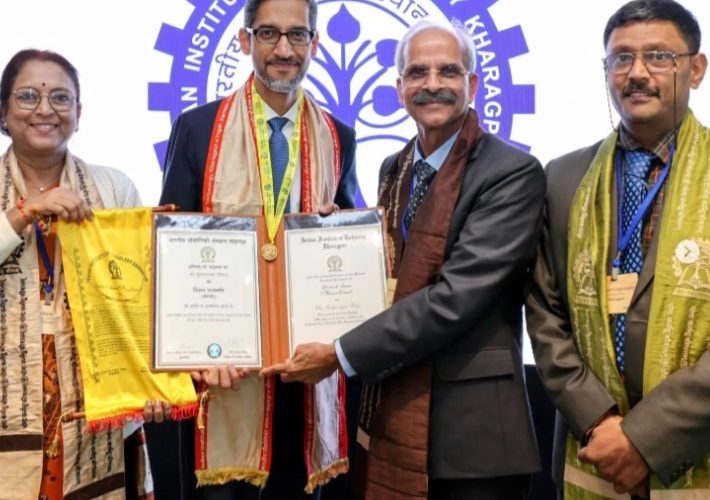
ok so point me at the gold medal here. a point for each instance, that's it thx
(269, 252)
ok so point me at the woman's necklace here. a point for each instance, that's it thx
(46, 187)
(43, 187)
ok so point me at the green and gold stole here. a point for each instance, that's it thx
(679, 320)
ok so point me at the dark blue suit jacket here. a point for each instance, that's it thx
(182, 185)
(187, 154)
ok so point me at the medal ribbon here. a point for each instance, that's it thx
(625, 237)
(273, 209)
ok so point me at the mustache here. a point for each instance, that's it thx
(443, 96)
(284, 60)
(639, 87)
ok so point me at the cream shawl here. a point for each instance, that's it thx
(233, 438)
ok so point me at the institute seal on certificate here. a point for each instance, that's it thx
(214, 351)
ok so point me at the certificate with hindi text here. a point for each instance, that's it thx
(206, 308)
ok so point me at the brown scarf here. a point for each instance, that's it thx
(397, 455)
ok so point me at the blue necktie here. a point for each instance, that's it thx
(278, 147)
(637, 165)
(425, 173)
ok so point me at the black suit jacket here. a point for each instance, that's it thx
(187, 153)
(469, 322)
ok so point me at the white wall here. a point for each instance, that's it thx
(112, 45)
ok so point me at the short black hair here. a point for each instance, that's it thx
(251, 6)
(657, 10)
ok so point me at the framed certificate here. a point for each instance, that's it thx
(335, 271)
(224, 294)
(206, 307)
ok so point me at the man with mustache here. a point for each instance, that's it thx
(619, 311)
(451, 417)
(268, 148)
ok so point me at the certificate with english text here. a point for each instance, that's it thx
(335, 272)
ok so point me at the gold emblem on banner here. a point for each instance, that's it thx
(117, 277)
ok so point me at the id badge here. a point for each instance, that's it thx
(619, 292)
(50, 319)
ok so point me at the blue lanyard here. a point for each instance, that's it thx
(624, 239)
(49, 286)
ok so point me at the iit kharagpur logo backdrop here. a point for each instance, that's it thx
(352, 76)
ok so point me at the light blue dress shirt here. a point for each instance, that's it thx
(436, 160)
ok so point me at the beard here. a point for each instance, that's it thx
(281, 86)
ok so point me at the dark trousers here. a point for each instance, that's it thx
(491, 488)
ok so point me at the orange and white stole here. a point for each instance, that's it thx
(233, 437)
(93, 464)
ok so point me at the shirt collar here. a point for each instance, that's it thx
(436, 159)
(662, 149)
(290, 115)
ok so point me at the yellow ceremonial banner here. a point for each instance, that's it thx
(107, 271)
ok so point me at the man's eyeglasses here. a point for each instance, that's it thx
(271, 36)
(449, 72)
(29, 98)
(656, 61)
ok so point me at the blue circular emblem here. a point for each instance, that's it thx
(353, 74)
(214, 351)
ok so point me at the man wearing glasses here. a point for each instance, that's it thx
(619, 312)
(268, 149)
(450, 419)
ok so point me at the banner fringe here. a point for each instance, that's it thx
(324, 476)
(209, 477)
(179, 412)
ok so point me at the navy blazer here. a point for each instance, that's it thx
(187, 154)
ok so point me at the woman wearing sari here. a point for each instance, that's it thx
(44, 450)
